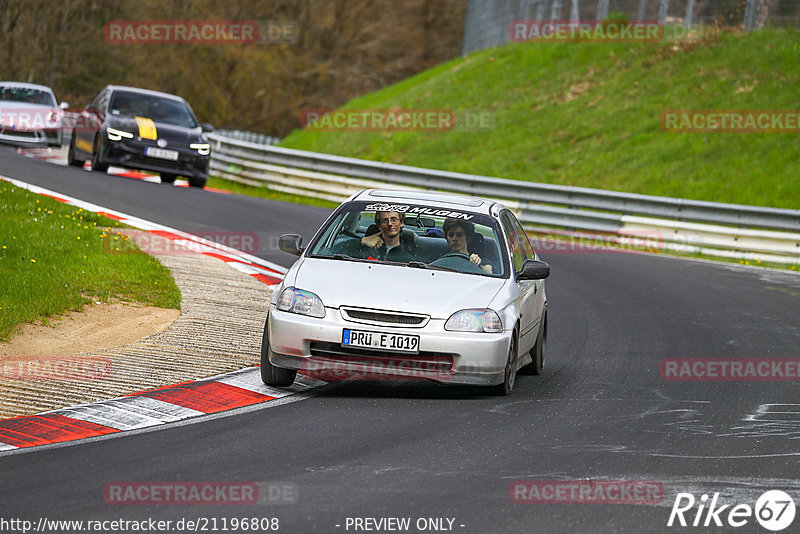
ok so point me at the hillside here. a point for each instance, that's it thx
(590, 114)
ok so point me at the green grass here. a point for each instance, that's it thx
(589, 114)
(55, 258)
(266, 192)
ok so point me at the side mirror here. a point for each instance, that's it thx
(291, 244)
(207, 127)
(63, 105)
(534, 270)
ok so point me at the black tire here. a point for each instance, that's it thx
(72, 161)
(168, 178)
(97, 160)
(271, 375)
(537, 352)
(509, 375)
(197, 181)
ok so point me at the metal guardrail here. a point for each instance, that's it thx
(771, 234)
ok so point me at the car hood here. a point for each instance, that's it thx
(394, 287)
(169, 132)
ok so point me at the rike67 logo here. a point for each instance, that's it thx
(774, 510)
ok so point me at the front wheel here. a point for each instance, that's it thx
(271, 375)
(197, 181)
(72, 161)
(537, 352)
(510, 372)
(97, 160)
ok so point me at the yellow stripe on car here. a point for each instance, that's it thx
(84, 145)
(147, 128)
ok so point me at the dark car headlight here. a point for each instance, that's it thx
(117, 135)
(202, 148)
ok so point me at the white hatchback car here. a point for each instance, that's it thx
(402, 284)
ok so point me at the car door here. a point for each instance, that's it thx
(529, 293)
(90, 121)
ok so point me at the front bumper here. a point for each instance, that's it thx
(314, 346)
(130, 153)
(30, 138)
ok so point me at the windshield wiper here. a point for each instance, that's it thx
(423, 265)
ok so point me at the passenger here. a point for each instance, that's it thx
(459, 234)
(392, 242)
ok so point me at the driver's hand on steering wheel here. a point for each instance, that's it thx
(474, 258)
(372, 241)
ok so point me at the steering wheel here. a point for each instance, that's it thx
(459, 255)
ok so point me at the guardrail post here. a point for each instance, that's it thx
(662, 12)
(641, 12)
(689, 14)
(750, 14)
(555, 14)
(602, 9)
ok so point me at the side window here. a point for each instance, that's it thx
(95, 103)
(104, 101)
(515, 240)
(524, 241)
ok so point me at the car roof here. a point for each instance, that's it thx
(146, 92)
(27, 86)
(433, 198)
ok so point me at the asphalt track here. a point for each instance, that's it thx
(600, 411)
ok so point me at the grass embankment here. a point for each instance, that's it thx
(265, 192)
(589, 114)
(55, 258)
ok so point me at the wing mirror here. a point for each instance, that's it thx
(207, 127)
(534, 270)
(291, 244)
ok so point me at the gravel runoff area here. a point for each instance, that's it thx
(219, 330)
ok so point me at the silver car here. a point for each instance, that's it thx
(402, 284)
(29, 115)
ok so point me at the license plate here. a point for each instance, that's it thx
(380, 340)
(161, 153)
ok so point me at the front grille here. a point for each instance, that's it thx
(384, 317)
(337, 351)
(22, 134)
(336, 357)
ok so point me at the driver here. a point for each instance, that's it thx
(391, 242)
(458, 234)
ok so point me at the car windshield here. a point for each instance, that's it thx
(26, 94)
(415, 235)
(158, 109)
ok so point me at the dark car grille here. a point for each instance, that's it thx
(337, 353)
(377, 316)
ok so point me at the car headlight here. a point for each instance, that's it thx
(296, 300)
(478, 320)
(202, 148)
(117, 135)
